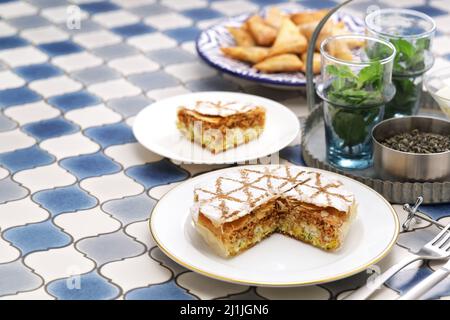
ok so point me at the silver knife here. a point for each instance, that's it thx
(428, 283)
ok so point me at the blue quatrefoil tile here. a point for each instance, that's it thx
(314, 4)
(16, 96)
(97, 7)
(157, 173)
(74, 100)
(130, 209)
(12, 42)
(183, 34)
(64, 199)
(108, 135)
(59, 48)
(50, 128)
(16, 277)
(202, 14)
(37, 237)
(406, 279)
(133, 30)
(120, 246)
(89, 286)
(293, 154)
(164, 291)
(26, 158)
(38, 71)
(90, 165)
(429, 10)
(436, 211)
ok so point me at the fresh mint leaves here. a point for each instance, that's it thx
(410, 58)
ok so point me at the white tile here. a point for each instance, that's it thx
(234, 7)
(146, 271)
(32, 112)
(15, 139)
(441, 45)
(10, 80)
(21, 212)
(130, 121)
(207, 288)
(69, 145)
(133, 3)
(401, 3)
(64, 262)
(189, 46)
(153, 41)
(133, 64)
(157, 192)
(86, 223)
(16, 9)
(204, 24)
(168, 21)
(39, 294)
(44, 34)
(77, 61)
(114, 89)
(55, 86)
(22, 56)
(3, 173)
(185, 4)
(140, 232)
(93, 116)
(166, 92)
(44, 177)
(190, 71)
(62, 14)
(97, 39)
(7, 252)
(131, 154)
(113, 186)
(115, 18)
(6, 29)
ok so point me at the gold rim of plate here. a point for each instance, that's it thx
(280, 284)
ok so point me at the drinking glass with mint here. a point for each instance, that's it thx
(411, 32)
(355, 86)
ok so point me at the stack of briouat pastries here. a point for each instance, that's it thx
(278, 41)
(236, 211)
(221, 125)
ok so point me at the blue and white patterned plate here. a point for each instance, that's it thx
(211, 40)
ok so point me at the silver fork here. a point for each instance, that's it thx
(436, 249)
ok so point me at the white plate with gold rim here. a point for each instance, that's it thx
(155, 128)
(277, 261)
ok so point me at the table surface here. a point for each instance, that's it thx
(76, 189)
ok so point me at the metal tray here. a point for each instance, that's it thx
(313, 151)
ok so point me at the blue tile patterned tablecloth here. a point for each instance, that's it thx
(76, 188)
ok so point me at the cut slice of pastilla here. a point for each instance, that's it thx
(289, 40)
(263, 33)
(242, 37)
(247, 54)
(288, 62)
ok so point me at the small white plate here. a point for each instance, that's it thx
(155, 128)
(277, 260)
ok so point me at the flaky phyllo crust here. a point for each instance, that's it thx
(219, 126)
(236, 211)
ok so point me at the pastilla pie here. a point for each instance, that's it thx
(221, 125)
(238, 210)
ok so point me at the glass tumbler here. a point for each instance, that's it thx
(411, 32)
(356, 83)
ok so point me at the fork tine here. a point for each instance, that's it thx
(446, 247)
(442, 241)
(440, 234)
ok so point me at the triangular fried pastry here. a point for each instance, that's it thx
(263, 33)
(283, 63)
(247, 54)
(289, 40)
(308, 16)
(242, 37)
(316, 62)
(275, 17)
